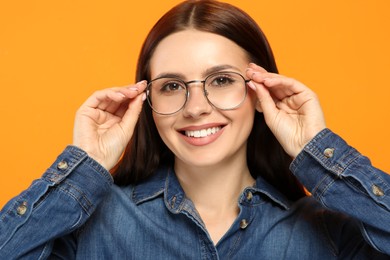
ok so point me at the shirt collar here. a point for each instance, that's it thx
(263, 188)
(165, 183)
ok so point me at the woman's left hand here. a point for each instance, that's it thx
(291, 110)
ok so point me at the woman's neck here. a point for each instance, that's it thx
(222, 184)
(214, 190)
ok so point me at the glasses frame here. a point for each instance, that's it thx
(187, 94)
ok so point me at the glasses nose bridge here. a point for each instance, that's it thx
(203, 82)
(203, 87)
(194, 81)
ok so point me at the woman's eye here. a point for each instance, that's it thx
(222, 81)
(172, 87)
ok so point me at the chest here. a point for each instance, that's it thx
(151, 231)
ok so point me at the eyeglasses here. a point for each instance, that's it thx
(224, 90)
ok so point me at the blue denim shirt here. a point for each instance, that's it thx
(75, 212)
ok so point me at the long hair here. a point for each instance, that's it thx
(146, 151)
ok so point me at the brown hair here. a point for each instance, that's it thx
(146, 151)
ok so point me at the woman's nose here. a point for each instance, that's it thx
(197, 103)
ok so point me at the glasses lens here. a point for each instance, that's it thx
(166, 95)
(226, 90)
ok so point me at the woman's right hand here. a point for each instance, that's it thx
(105, 122)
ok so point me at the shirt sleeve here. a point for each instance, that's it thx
(53, 206)
(342, 179)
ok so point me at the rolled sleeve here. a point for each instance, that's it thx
(342, 179)
(54, 205)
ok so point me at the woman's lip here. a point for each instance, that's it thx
(202, 140)
(200, 127)
(202, 133)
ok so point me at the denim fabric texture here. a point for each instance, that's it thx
(75, 212)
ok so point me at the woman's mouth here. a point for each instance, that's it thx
(202, 132)
(202, 135)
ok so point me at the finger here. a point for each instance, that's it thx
(130, 92)
(101, 99)
(298, 101)
(286, 107)
(111, 99)
(266, 102)
(133, 90)
(282, 87)
(138, 88)
(132, 113)
(259, 75)
(116, 106)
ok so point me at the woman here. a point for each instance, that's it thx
(205, 174)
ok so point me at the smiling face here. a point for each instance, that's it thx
(201, 135)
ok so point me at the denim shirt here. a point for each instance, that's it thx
(75, 212)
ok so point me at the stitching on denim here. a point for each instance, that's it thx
(98, 168)
(383, 183)
(39, 202)
(145, 198)
(326, 188)
(77, 222)
(236, 244)
(80, 199)
(347, 159)
(357, 186)
(319, 187)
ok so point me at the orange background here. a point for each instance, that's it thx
(54, 54)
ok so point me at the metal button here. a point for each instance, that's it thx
(243, 224)
(249, 196)
(377, 191)
(173, 201)
(22, 209)
(62, 165)
(329, 152)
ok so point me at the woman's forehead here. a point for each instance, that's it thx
(193, 51)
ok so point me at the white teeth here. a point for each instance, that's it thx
(203, 132)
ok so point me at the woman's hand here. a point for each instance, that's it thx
(105, 123)
(291, 110)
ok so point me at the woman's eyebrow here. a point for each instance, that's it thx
(170, 75)
(218, 68)
(207, 72)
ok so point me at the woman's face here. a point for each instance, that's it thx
(200, 134)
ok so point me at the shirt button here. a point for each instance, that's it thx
(63, 165)
(243, 224)
(328, 152)
(249, 196)
(22, 209)
(377, 191)
(173, 201)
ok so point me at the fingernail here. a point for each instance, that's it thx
(144, 96)
(142, 82)
(251, 85)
